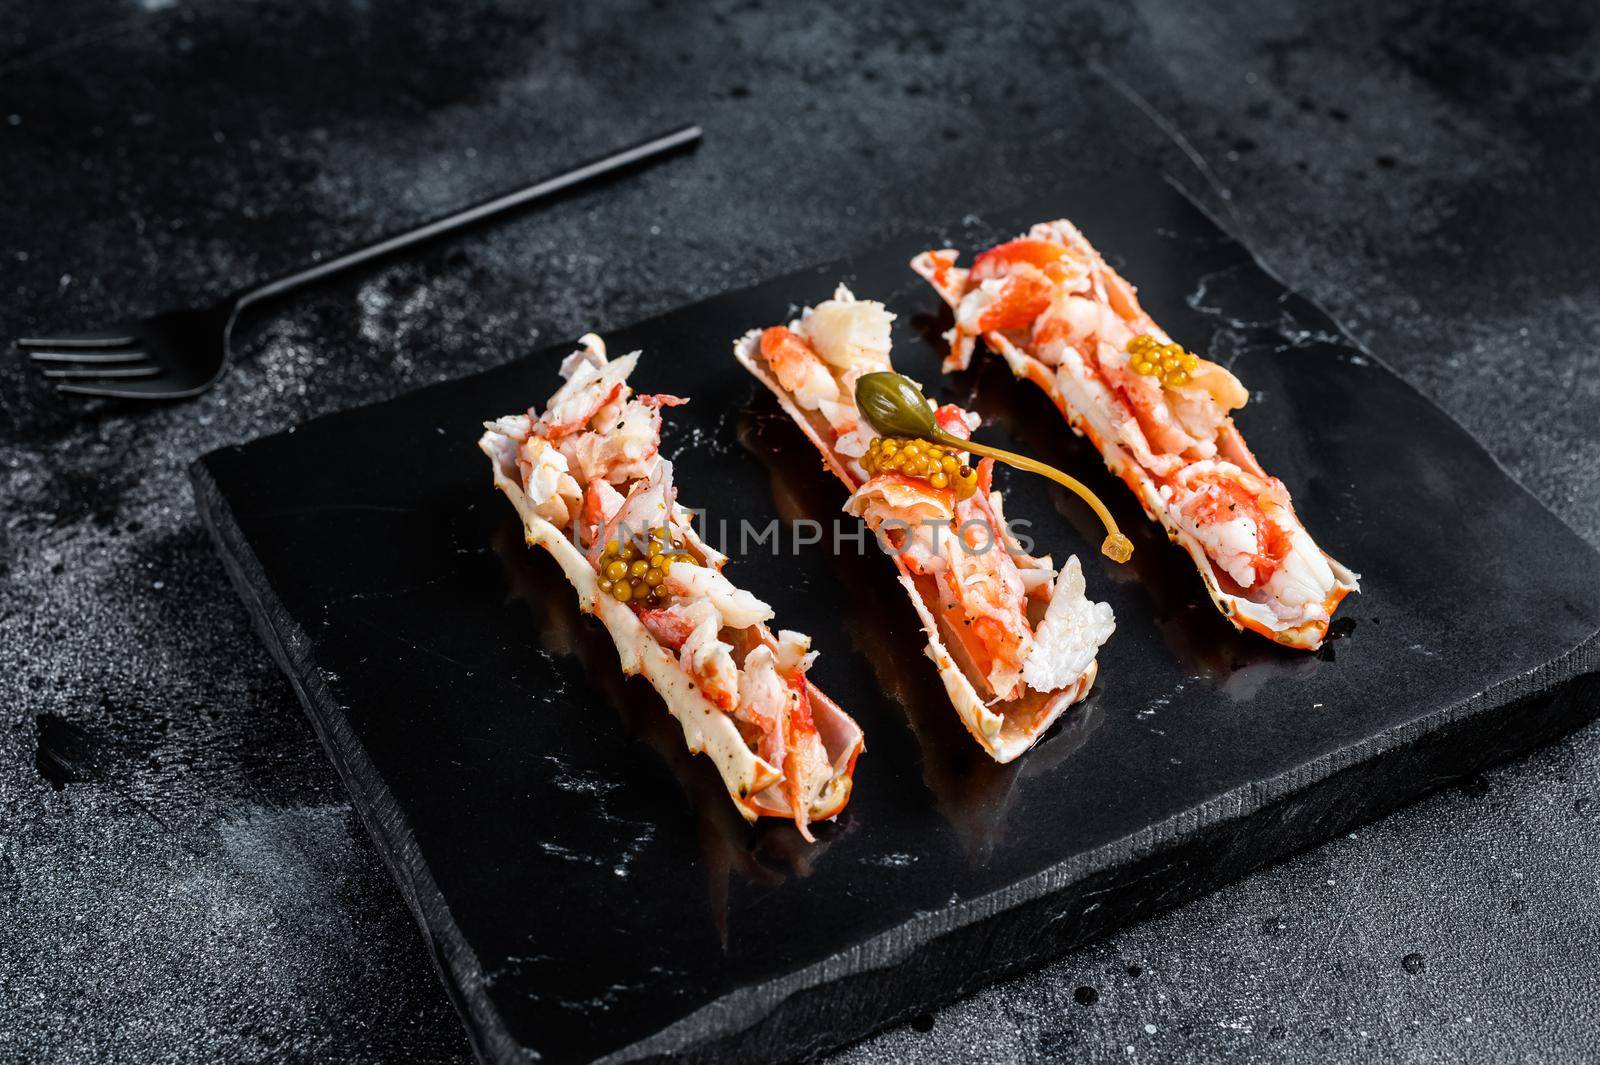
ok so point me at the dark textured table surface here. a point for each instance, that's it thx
(181, 877)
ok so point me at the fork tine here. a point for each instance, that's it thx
(147, 388)
(120, 371)
(86, 356)
(105, 338)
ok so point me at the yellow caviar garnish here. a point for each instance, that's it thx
(923, 460)
(631, 572)
(1168, 363)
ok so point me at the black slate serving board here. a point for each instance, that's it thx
(584, 885)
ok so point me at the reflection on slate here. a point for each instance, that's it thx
(764, 853)
(586, 894)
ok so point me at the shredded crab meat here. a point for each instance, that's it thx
(794, 651)
(601, 502)
(739, 609)
(707, 658)
(551, 488)
(799, 367)
(622, 449)
(763, 702)
(908, 518)
(671, 625)
(849, 334)
(805, 767)
(646, 506)
(984, 584)
(1299, 584)
(1070, 635)
(984, 580)
(588, 389)
(1060, 315)
(1037, 574)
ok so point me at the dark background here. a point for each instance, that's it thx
(180, 874)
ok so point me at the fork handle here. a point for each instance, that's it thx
(643, 152)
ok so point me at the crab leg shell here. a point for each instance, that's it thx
(706, 729)
(1004, 736)
(755, 785)
(1244, 614)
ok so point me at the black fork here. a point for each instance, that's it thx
(182, 353)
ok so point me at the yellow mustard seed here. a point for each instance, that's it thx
(634, 571)
(938, 465)
(1168, 363)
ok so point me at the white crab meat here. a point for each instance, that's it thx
(808, 763)
(1070, 635)
(849, 333)
(589, 389)
(1073, 318)
(799, 370)
(601, 504)
(706, 658)
(1232, 545)
(1304, 581)
(975, 304)
(646, 507)
(1036, 574)
(515, 426)
(764, 701)
(551, 489)
(621, 450)
(794, 652)
(984, 583)
(911, 521)
(739, 609)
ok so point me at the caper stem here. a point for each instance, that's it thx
(894, 406)
(1116, 546)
